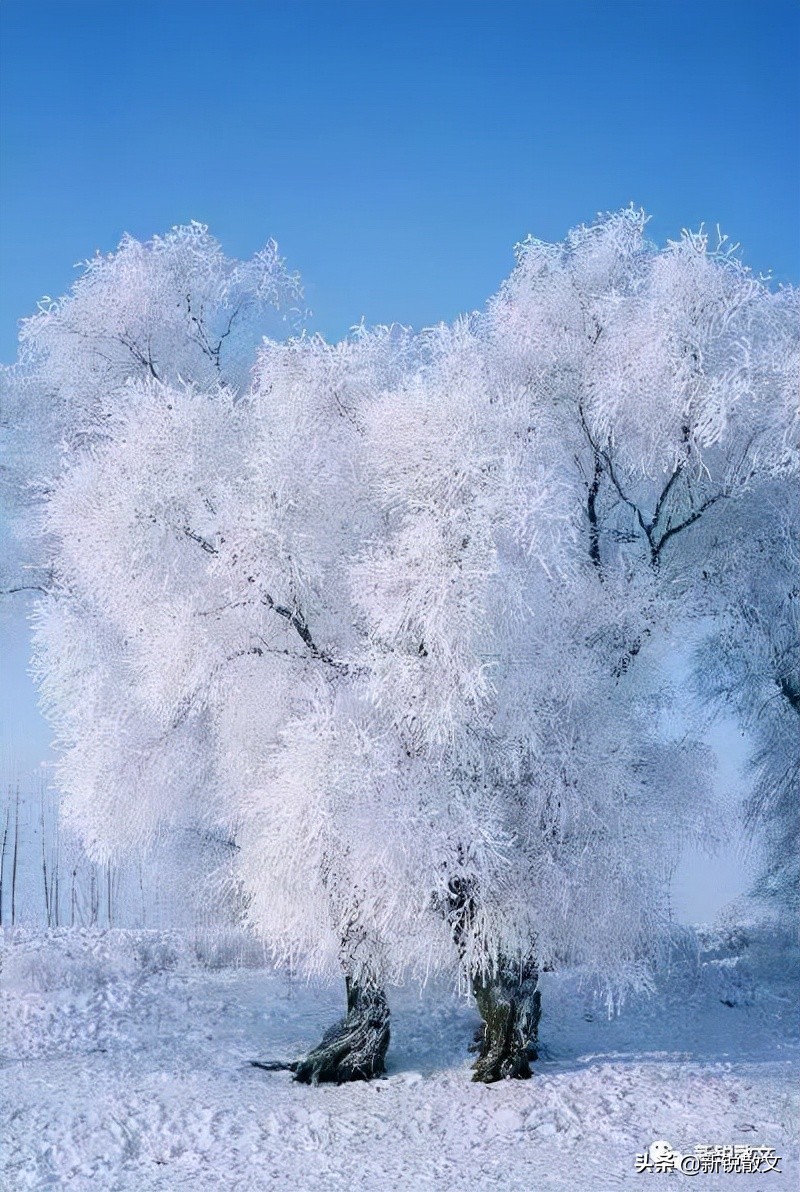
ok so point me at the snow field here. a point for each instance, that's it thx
(126, 1068)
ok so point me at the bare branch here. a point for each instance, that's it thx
(203, 543)
(697, 513)
(24, 588)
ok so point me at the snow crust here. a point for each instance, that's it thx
(126, 1067)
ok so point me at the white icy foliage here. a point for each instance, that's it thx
(173, 309)
(677, 361)
(109, 377)
(494, 649)
(391, 617)
(750, 666)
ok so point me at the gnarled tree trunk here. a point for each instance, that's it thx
(509, 1003)
(507, 997)
(355, 1047)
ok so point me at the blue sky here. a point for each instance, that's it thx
(396, 150)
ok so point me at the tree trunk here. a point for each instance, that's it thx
(355, 1047)
(48, 886)
(510, 1005)
(3, 858)
(14, 860)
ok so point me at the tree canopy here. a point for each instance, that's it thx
(390, 615)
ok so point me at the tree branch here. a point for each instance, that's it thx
(203, 543)
(298, 623)
(138, 354)
(593, 490)
(293, 616)
(665, 494)
(24, 588)
(646, 530)
(671, 530)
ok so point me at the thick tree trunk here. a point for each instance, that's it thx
(355, 1047)
(510, 1005)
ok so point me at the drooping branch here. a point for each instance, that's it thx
(24, 588)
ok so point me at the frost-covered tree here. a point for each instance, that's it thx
(177, 534)
(549, 796)
(173, 310)
(750, 667)
(719, 353)
(389, 615)
(226, 690)
(676, 377)
(553, 482)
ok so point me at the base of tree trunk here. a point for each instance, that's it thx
(510, 1005)
(354, 1048)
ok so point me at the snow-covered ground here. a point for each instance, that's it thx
(125, 1066)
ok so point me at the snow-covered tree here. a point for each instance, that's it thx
(554, 480)
(226, 692)
(173, 310)
(389, 615)
(750, 667)
(548, 796)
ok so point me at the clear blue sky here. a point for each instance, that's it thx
(396, 150)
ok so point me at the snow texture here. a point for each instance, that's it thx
(126, 1066)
